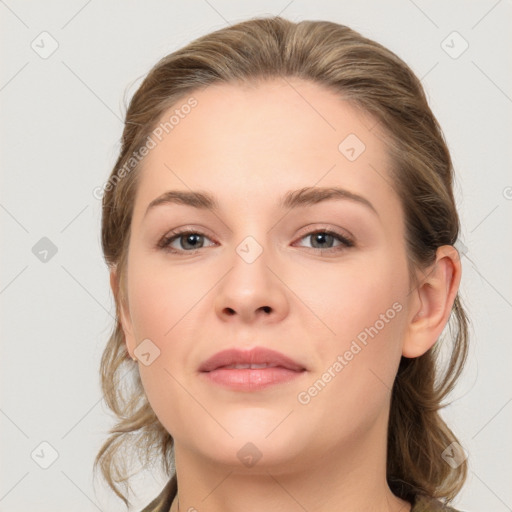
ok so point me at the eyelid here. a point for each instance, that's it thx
(174, 234)
(347, 240)
(327, 228)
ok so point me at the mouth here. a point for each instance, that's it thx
(257, 357)
(250, 370)
(241, 366)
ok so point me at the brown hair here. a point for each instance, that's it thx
(375, 80)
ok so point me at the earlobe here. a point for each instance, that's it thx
(434, 300)
(123, 314)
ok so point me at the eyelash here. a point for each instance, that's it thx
(165, 242)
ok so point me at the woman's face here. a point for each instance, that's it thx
(260, 271)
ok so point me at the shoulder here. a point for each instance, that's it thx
(424, 503)
(162, 503)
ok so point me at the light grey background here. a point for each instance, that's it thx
(61, 121)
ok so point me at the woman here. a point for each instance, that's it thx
(280, 230)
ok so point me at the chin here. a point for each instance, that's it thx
(268, 445)
(253, 457)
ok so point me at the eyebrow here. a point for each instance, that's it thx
(306, 196)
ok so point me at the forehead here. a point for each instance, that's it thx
(249, 143)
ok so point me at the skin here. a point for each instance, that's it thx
(248, 145)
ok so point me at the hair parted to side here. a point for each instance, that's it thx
(375, 80)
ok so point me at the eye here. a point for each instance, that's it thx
(190, 241)
(323, 240)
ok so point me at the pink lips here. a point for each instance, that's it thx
(232, 368)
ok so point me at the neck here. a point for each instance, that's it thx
(350, 477)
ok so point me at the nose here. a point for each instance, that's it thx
(252, 291)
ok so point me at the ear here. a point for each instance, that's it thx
(124, 314)
(432, 302)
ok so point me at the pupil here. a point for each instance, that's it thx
(190, 239)
(320, 237)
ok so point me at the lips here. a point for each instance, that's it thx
(252, 371)
(255, 358)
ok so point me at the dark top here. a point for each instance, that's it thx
(162, 503)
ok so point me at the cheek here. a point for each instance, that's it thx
(164, 305)
(357, 365)
(159, 302)
(363, 306)
(345, 300)
(161, 297)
